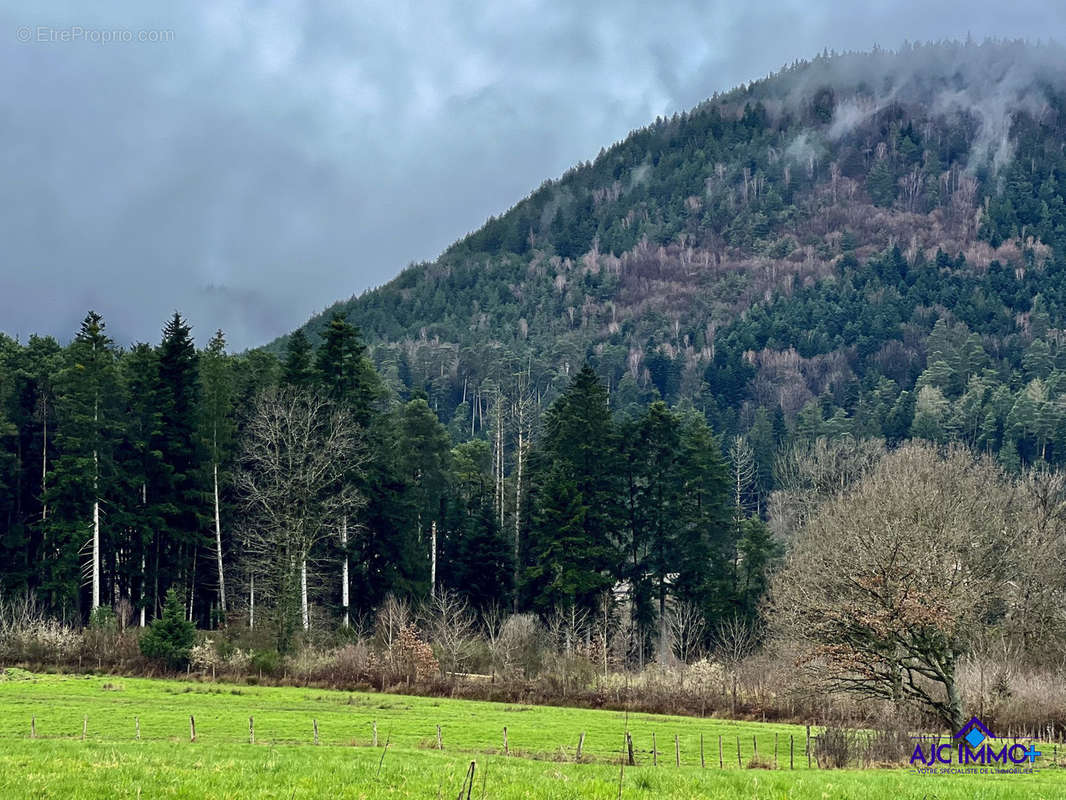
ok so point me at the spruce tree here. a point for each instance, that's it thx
(82, 477)
(184, 488)
(345, 371)
(425, 453)
(298, 370)
(143, 473)
(217, 429)
(573, 552)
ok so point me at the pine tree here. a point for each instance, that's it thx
(658, 441)
(425, 451)
(345, 371)
(217, 430)
(183, 490)
(706, 540)
(298, 371)
(143, 472)
(573, 549)
(171, 637)
(82, 477)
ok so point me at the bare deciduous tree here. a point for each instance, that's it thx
(298, 452)
(734, 640)
(742, 474)
(810, 474)
(888, 582)
(393, 616)
(520, 645)
(452, 628)
(687, 626)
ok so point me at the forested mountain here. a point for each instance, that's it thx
(866, 242)
(584, 405)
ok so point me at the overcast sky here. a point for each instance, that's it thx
(265, 160)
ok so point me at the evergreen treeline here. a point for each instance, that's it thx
(126, 474)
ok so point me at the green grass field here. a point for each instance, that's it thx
(285, 763)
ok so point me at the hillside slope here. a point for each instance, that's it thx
(848, 244)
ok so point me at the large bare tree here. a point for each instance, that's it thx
(299, 454)
(887, 583)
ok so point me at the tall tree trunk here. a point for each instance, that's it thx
(518, 497)
(433, 560)
(155, 578)
(303, 596)
(44, 461)
(497, 465)
(96, 532)
(218, 551)
(144, 587)
(344, 568)
(192, 583)
(662, 617)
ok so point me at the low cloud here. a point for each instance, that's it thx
(265, 160)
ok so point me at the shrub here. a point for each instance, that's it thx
(170, 638)
(203, 656)
(265, 661)
(238, 661)
(103, 618)
(413, 657)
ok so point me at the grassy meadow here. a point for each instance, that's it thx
(111, 762)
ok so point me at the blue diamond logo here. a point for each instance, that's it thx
(974, 738)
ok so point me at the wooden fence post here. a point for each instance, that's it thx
(703, 761)
(192, 728)
(314, 723)
(375, 733)
(580, 744)
(506, 748)
(775, 751)
(791, 751)
(440, 741)
(738, 753)
(137, 723)
(33, 727)
(84, 726)
(470, 782)
(721, 763)
(629, 746)
(677, 751)
(251, 730)
(754, 747)
(388, 738)
(654, 752)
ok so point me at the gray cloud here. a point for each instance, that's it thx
(272, 158)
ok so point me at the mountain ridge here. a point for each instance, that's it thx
(652, 260)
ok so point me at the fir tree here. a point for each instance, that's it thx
(183, 490)
(298, 370)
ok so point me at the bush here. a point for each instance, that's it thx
(204, 657)
(170, 638)
(266, 661)
(103, 618)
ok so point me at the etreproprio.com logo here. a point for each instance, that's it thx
(973, 751)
